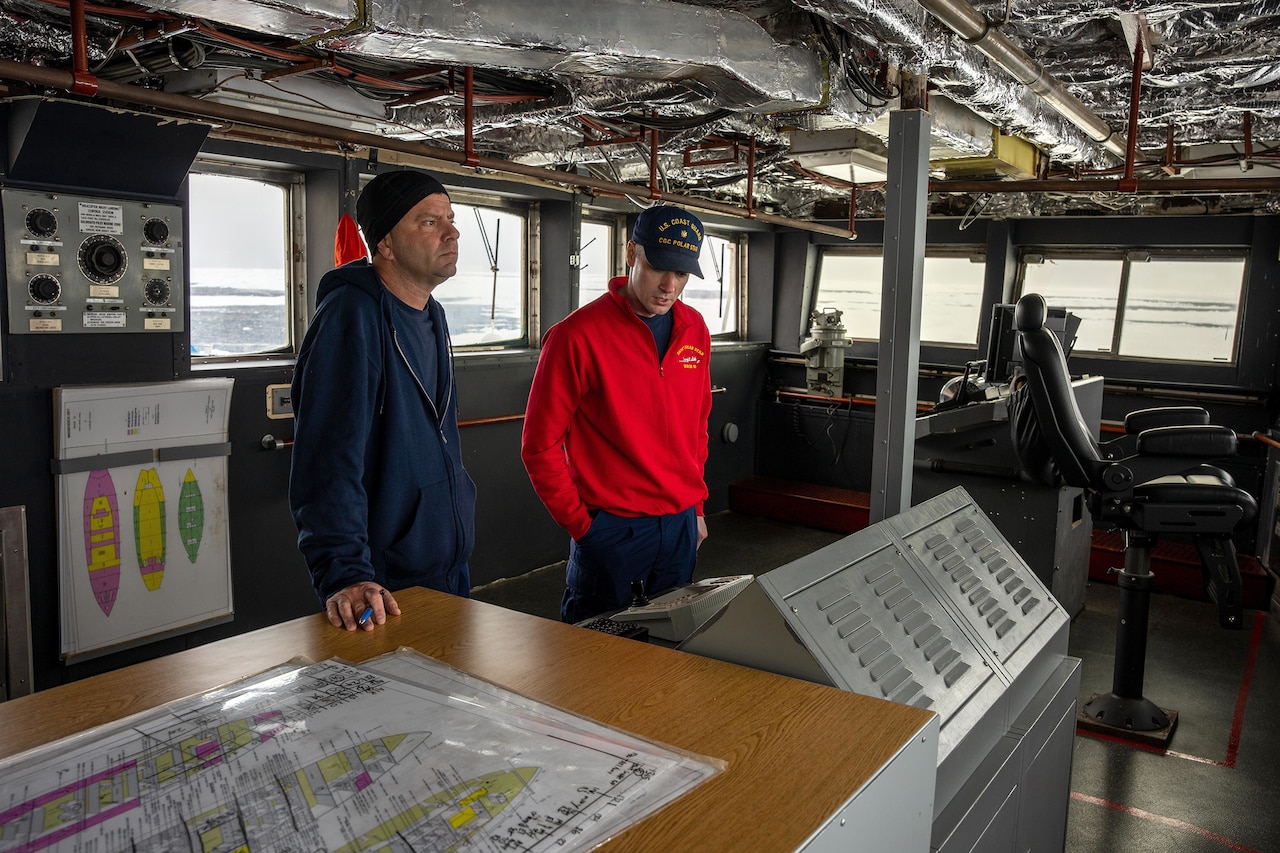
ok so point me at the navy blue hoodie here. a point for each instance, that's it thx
(377, 487)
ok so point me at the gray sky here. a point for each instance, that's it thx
(236, 223)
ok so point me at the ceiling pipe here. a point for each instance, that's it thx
(35, 75)
(85, 83)
(972, 26)
(469, 115)
(1068, 186)
(42, 76)
(653, 162)
(1128, 183)
(853, 208)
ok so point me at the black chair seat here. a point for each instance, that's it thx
(1167, 497)
(1201, 485)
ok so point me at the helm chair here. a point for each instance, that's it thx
(1155, 480)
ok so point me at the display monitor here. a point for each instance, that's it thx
(1004, 347)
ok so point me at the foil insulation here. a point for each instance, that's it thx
(571, 85)
(635, 39)
(40, 34)
(914, 41)
(282, 18)
(1212, 63)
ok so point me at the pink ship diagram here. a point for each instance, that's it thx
(102, 538)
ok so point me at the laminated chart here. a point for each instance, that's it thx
(402, 753)
(141, 476)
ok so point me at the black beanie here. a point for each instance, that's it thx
(387, 198)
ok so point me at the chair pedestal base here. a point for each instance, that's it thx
(1125, 713)
(1138, 720)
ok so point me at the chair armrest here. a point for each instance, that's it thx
(1144, 419)
(1202, 442)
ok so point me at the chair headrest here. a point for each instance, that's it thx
(1030, 312)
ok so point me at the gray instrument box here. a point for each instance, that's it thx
(81, 264)
(931, 608)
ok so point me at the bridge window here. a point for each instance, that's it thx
(596, 263)
(715, 295)
(1142, 304)
(486, 300)
(240, 266)
(951, 301)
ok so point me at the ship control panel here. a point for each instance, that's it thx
(79, 264)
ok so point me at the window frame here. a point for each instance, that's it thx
(617, 225)
(294, 184)
(530, 211)
(1127, 255)
(737, 239)
(944, 351)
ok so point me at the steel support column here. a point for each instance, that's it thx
(906, 200)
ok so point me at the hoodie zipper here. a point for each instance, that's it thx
(444, 439)
(395, 339)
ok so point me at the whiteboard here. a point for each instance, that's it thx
(144, 541)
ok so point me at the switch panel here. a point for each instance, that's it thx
(79, 264)
(279, 402)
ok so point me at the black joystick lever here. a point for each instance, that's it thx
(638, 598)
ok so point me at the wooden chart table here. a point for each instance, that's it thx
(802, 758)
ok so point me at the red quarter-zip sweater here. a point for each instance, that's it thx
(608, 426)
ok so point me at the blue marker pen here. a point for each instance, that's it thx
(365, 616)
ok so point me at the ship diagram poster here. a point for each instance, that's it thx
(144, 546)
(406, 755)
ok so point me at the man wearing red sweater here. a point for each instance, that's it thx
(615, 433)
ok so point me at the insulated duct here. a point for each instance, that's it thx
(973, 26)
(299, 20)
(965, 71)
(637, 39)
(725, 51)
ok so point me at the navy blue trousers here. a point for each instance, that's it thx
(659, 550)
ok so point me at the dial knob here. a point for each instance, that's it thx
(44, 289)
(103, 259)
(42, 222)
(156, 231)
(157, 291)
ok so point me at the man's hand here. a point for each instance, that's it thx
(361, 605)
(702, 532)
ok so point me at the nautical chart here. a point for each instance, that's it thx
(402, 754)
(142, 481)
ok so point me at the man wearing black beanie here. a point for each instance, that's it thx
(377, 487)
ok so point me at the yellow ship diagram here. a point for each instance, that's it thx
(447, 821)
(149, 527)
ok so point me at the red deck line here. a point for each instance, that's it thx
(1237, 718)
(1167, 821)
(1242, 698)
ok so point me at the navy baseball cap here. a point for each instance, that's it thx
(672, 238)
